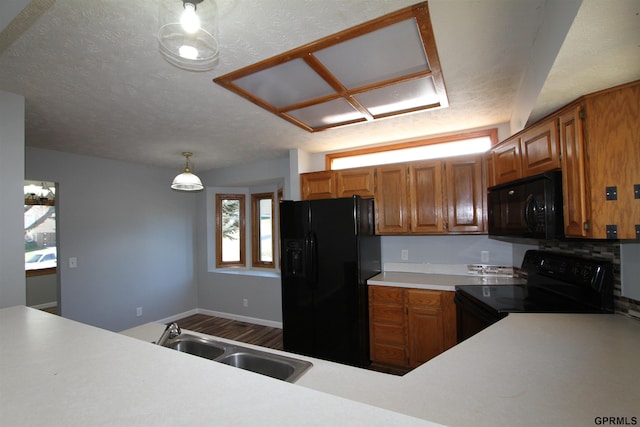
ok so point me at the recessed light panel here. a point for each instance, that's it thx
(382, 68)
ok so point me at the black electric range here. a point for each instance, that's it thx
(556, 283)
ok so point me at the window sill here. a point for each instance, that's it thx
(247, 272)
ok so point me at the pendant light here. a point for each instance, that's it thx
(187, 181)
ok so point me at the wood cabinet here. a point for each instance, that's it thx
(540, 148)
(533, 151)
(444, 196)
(573, 173)
(466, 195)
(426, 197)
(359, 181)
(507, 161)
(340, 183)
(600, 136)
(392, 203)
(317, 185)
(410, 326)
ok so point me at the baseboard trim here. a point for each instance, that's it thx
(224, 315)
(45, 305)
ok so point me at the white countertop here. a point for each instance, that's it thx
(527, 369)
(63, 373)
(438, 282)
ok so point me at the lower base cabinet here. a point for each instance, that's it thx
(410, 326)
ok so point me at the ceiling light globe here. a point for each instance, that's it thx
(186, 181)
(189, 20)
(188, 52)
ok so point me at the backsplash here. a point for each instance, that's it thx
(608, 251)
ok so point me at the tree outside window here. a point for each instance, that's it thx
(230, 230)
(262, 230)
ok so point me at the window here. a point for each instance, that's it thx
(262, 230)
(40, 253)
(230, 230)
(447, 146)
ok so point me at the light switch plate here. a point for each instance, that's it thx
(73, 262)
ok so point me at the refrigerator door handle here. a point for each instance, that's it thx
(313, 259)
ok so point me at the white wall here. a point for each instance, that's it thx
(12, 276)
(133, 237)
(451, 249)
(224, 292)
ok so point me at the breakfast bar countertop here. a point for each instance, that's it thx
(526, 369)
(60, 372)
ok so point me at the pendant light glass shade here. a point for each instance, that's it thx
(188, 33)
(187, 181)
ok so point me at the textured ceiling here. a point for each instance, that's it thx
(95, 84)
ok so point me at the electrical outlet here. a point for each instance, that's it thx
(138, 311)
(245, 302)
(484, 256)
(404, 254)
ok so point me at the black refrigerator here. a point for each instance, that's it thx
(329, 250)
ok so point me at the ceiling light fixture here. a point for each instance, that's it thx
(187, 181)
(382, 68)
(187, 34)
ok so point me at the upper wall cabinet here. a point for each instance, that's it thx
(530, 152)
(540, 148)
(318, 185)
(427, 197)
(445, 196)
(600, 136)
(595, 141)
(341, 183)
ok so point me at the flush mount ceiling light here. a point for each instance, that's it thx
(187, 37)
(382, 68)
(187, 181)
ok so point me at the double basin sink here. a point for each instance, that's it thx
(261, 362)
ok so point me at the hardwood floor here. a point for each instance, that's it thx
(249, 333)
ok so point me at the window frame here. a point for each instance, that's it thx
(255, 230)
(242, 238)
(491, 133)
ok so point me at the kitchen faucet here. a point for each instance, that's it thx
(171, 331)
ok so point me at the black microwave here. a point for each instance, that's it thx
(527, 208)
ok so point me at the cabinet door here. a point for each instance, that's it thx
(352, 182)
(540, 149)
(489, 172)
(507, 162)
(387, 325)
(612, 143)
(317, 185)
(466, 195)
(426, 197)
(424, 325)
(392, 208)
(576, 208)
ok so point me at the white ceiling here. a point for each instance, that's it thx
(95, 84)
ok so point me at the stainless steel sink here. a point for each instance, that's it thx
(197, 346)
(273, 365)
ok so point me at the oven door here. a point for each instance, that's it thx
(473, 316)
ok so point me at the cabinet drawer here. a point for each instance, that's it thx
(387, 295)
(390, 334)
(393, 314)
(422, 297)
